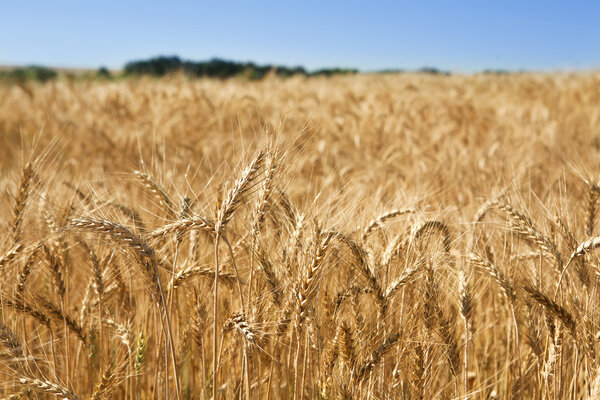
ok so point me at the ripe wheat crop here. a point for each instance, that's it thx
(354, 237)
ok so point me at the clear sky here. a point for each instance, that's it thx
(454, 35)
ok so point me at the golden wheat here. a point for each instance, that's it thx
(366, 237)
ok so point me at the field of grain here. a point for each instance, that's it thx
(357, 237)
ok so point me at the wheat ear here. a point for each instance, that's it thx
(11, 255)
(21, 202)
(107, 384)
(524, 226)
(406, 277)
(361, 257)
(224, 215)
(379, 220)
(588, 245)
(554, 309)
(55, 312)
(506, 286)
(48, 387)
(54, 265)
(239, 323)
(9, 341)
(466, 307)
(313, 269)
(376, 356)
(593, 194)
(240, 188)
(187, 273)
(148, 261)
(184, 225)
(432, 226)
(157, 191)
(19, 305)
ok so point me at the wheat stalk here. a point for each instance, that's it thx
(148, 261)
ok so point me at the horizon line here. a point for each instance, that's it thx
(85, 68)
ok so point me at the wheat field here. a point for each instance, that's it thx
(404, 236)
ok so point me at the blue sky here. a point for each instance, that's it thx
(454, 35)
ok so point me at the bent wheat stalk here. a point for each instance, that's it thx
(225, 214)
(378, 222)
(149, 263)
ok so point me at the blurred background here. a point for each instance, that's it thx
(231, 38)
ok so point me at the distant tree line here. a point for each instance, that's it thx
(43, 74)
(219, 68)
(165, 65)
(32, 72)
